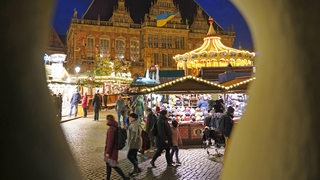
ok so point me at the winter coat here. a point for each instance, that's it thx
(96, 102)
(227, 124)
(151, 119)
(164, 132)
(139, 109)
(119, 105)
(84, 101)
(203, 104)
(111, 139)
(134, 138)
(125, 111)
(176, 138)
(75, 99)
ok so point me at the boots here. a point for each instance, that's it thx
(136, 170)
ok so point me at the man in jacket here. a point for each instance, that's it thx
(96, 103)
(75, 99)
(226, 126)
(119, 105)
(151, 119)
(163, 139)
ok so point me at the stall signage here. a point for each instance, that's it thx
(55, 58)
(197, 132)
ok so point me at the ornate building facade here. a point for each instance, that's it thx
(142, 45)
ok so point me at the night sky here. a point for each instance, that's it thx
(222, 11)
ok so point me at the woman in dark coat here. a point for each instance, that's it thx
(163, 139)
(110, 150)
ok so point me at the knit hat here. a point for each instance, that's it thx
(230, 109)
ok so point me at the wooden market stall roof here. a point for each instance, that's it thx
(239, 84)
(185, 85)
(193, 85)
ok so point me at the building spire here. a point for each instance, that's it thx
(211, 31)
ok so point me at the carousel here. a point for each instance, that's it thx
(212, 53)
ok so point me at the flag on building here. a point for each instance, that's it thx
(162, 19)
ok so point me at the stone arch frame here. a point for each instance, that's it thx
(283, 144)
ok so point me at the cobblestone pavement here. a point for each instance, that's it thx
(86, 139)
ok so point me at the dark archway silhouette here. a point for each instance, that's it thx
(277, 139)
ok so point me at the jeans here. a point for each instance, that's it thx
(119, 116)
(175, 150)
(75, 106)
(126, 121)
(132, 156)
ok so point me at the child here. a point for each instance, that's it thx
(176, 140)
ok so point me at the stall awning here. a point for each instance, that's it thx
(185, 85)
(239, 84)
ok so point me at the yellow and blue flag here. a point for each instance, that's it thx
(162, 19)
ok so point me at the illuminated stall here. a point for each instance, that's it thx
(186, 92)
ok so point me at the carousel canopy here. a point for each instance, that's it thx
(213, 53)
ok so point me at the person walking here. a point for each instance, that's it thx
(226, 125)
(110, 150)
(119, 105)
(96, 103)
(176, 141)
(125, 112)
(84, 104)
(163, 139)
(139, 108)
(151, 120)
(75, 99)
(134, 142)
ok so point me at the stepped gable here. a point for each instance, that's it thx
(121, 15)
(161, 7)
(100, 9)
(200, 22)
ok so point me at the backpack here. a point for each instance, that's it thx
(154, 129)
(122, 138)
(145, 140)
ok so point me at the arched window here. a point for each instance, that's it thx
(134, 50)
(104, 47)
(120, 48)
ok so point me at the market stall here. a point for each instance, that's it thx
(182, 97)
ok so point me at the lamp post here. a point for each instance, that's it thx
(77, 69)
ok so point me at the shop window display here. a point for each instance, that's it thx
(188, 108)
